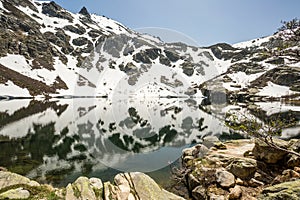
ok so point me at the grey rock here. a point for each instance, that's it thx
(243, 168)
(80, 41)
(283, 191)
(188, 68)
(216, 197)
(78, 29)
(53, 10)
(235, 193)
(82, 188)
(268, 154)
(225, 179)
(209, 141)
(199, 193)
(14, 179)
(84, 12)
(193, 182)
(137, 185)
(18, 193)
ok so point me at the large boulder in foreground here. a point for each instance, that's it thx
(138, 186)
(126, 186)
(268, 154)
(283, 191)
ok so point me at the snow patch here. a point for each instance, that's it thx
(10, 89)
(274, 90)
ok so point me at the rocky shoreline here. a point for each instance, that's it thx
(238, 169)
(134, 185)
(242, 169)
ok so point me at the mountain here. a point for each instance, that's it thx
(46, 50)
(261, 68)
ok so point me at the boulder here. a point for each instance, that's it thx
(268, 154)
(243, 168)
(8, 179)
(139, 185)
(195, 151)
(225, 179)
(216, 197)
(84, 188)
(235, 193)
(199, 193)
(18, 193)
(210, 141)
(283, 191)
(80, 41)
(78, 29)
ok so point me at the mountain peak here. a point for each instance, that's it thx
(84, 11)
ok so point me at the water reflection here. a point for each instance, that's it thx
(56, 141)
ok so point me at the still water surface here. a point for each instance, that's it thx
(58, 140)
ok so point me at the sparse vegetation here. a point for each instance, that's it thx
(262, 130)
(293, 26)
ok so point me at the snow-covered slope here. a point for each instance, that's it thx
(46, 50)
(262, 68)
(89, 55)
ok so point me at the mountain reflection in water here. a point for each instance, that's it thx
(58, 140)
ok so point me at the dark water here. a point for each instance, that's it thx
(57, 141)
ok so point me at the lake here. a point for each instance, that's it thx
(55, 141)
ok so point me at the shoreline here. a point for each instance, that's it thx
(236, 169)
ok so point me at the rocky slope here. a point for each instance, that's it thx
(46, 50)
(264, 67)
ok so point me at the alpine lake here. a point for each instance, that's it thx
(55, 141)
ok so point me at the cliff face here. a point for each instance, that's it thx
(46, 50)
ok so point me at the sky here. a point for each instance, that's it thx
(205, 22)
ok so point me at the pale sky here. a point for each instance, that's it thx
(205, 21)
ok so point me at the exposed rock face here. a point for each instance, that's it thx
(84, 12)
(14, 179)
(243, 167)
(53, 10)
(287, 190)
(263, 151)
(126, 186)
(18, 193)
(140, 186)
